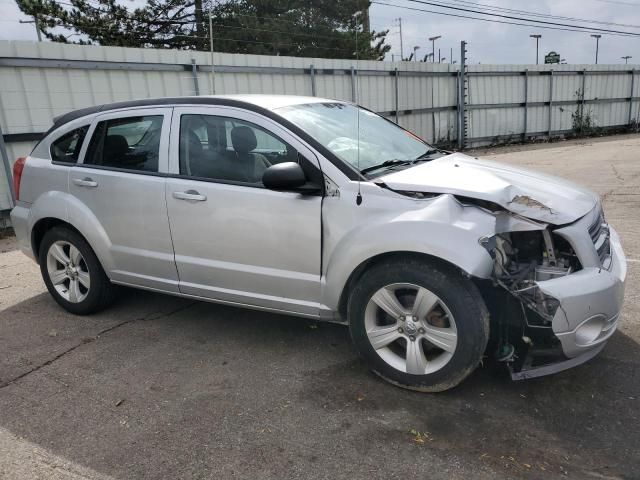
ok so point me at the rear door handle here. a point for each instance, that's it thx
(85, 182)
(190, 196)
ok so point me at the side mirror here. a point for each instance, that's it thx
(287, 176)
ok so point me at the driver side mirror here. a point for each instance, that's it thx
(287, 176)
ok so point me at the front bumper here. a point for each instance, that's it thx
(590, 302)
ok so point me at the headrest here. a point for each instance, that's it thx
(116, 145)
(243, 139)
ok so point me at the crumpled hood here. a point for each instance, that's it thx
(531, 194)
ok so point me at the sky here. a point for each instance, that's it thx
(488, 43)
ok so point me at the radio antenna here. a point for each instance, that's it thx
(357, 99)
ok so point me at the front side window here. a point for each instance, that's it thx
(131, 143)
(359, 137)
(66, 149)
(228, 149)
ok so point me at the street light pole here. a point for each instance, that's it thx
(401, 45)
(537, 37)
(213, 73)
(415, 53)
(433, 47)
(597, 37)
(626, 59)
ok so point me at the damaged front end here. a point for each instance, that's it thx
(555, 292)
(523, 314)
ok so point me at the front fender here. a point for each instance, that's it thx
(69, 209)
(442, 228)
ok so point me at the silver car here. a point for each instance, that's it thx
(322, 209)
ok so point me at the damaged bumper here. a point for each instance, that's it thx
(590, 300)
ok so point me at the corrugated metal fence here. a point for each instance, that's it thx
(39, 81)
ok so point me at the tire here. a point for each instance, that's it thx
(72, 273)
(442, 336)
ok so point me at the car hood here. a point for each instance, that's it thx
(531, 194)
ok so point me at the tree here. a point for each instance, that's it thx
(315, 28)
(309, 28)
(159, 24)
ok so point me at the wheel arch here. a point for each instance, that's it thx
(59, 208)
(398, 255)
(42, 226)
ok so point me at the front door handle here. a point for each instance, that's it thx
(190, 195)
(85, 182)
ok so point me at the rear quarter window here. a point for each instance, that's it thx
(66, 149)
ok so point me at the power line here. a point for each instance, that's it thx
(541, 15)
(253, 29)
(619, 2)
(510, 17)
(448, 14)
(170, 35)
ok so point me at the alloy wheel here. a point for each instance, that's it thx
(411, 328)
(68, 271)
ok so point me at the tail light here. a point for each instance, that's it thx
(18, 167)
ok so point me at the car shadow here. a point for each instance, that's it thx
(161, 387)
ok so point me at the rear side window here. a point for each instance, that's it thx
(131, 143)
(66, 149)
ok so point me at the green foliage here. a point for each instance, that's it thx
(583, 122)
(310, 28)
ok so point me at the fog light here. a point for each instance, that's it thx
(590, 330)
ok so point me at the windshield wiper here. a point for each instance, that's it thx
(426, 155)
(387, 164)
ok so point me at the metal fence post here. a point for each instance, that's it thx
(461, 96)
(550, 103)
(397, 93)
(584, 91)
(7, 169)
(312, 72)
(194, 75)
(633, 77)
(526, 103)
(354, 97)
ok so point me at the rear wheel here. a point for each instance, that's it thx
(72, 273)
(419, 326)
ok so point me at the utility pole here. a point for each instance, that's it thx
(597, 37)
(537, 37)
(399, 20)
(626, 59)
(433, 47)
(37, 25)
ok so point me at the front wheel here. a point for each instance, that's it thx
(420, 326)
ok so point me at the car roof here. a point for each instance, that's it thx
(262, 104)
(256, 102)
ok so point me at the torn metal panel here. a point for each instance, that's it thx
(530, 194)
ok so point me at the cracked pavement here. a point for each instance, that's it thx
(162, 387)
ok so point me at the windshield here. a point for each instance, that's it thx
(334, 125)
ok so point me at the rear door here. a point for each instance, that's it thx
(121, 180)
(234, 240)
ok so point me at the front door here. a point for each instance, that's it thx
(121, 180)
(234, 240)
